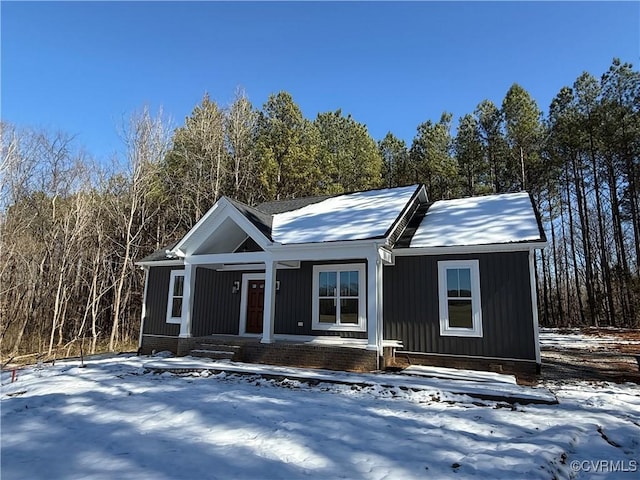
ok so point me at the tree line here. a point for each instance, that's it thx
(71, 228)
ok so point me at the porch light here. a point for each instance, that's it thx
(277, 285)
(236, 287)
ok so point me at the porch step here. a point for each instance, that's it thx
(220, 347)
(213, 354)
(217, 351)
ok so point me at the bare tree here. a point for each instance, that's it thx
(146, 139)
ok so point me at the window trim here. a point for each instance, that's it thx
(170, 297)
(476, 303)
(244, 300)
(361, 326)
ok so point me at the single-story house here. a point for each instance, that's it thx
(358, 281)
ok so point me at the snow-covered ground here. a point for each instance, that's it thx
(576, 339)
(116, 419)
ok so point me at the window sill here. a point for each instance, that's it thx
(460, 333)
(174, 321)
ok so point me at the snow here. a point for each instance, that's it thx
(575, 339)
(116, 419)
(492, 219)
(354, 216)
(463, 382)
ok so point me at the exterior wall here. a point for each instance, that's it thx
(411, 315)
(216, 310)
(294, 302)
(155, 321)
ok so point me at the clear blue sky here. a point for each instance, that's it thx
(80, 67)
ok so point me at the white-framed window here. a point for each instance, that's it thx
(339, 297)
(459, 298)
(174, 302)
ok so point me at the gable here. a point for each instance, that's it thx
(224, 229)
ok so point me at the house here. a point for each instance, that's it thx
(354, 281)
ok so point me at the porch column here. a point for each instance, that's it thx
(188, 291)
(269, 301)
(374, 302)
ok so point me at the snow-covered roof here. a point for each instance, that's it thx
(492, 219)
(353, 216)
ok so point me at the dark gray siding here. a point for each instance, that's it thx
(294, 301)
(155, 321)
(411, 306)
(216, 310)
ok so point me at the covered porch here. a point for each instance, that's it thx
(242, 269)
(328, 352)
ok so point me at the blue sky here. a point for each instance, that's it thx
(81, 67)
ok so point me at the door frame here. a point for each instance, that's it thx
(244, 300)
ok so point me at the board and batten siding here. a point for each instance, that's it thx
(155, 321)
(294, 301)
(216, 309)
(411, 313)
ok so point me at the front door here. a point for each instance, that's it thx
(255, 306)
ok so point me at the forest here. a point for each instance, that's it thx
(71, 228)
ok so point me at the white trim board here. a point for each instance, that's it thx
(143, 313)
(361, 326)
(476, 299)
(242, 327)
(453, 250)
(534, 305)
(210, 223)
(160, 263)
(172, 279)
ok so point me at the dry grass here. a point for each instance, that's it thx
(71, 350)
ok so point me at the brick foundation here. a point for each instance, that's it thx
(151, 344)
(312, 356)
(280, 353)
(512, 367)
(292, 354)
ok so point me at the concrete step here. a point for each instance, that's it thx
(214, 354)
(219, 347)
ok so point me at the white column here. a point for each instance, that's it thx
(188, 291)
(373, 263)
(379, 270)
(269, 301)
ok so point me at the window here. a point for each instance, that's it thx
(459, 298)
(174, 302)
(339, 297)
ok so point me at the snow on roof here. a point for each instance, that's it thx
(492, 219)
(353, 216)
